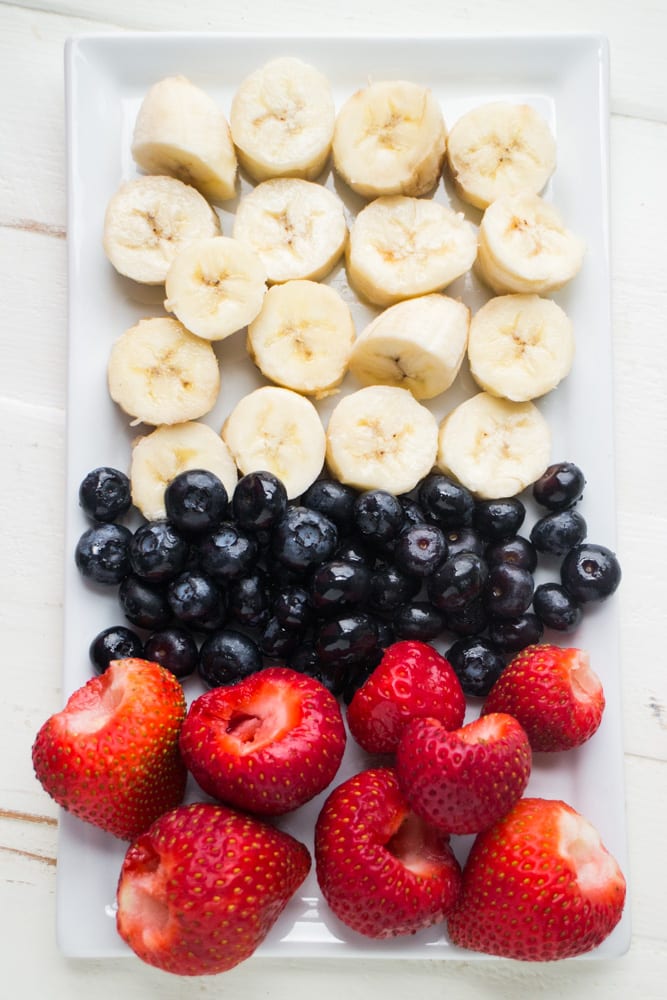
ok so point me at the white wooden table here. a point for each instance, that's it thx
(33, 285)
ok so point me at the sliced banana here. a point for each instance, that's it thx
(148, 220)
(181, 132)
(380, 437)
(279, 431)
(401, 247)
(418, 345)
(302, 337)
(500, 148)
(296, 227)
(524, 246)
(520, 346)
(494, 447)
(215, 287)
(390, 138)
(163, 454)
(282, 120)
(160, 373)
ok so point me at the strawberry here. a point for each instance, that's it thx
(412, 679)
(111, 756)
(200, 890)
(538, 885)
(266, 744)
(463, 781)
(553, 692)
(381, 869)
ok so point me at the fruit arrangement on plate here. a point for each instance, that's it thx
(308, 577)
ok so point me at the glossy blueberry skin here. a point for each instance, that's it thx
(390, 589)
(445, 502)
(249, 599)
(195, 501)
(412, 512)
(337, 585)
(228, 656)
(333, 499)
(102, 553)
(346, 640)
(560, 486)
(477, 663)
(590, 572)
(276, 641)
(378, 516)
(509, 591)
(496, 519)
(227, 553)
(518, 551)
(196, 600)
(559, 531)
(457, 582)
(115, 643)
(259, 501)
(464, 540)
(157, 551)
(471, 620)
(174, 649)
(420, 549)
(418, 620)
(144, 604)
(556, 608)
(304, 539)
(292, 607)
(354, 551)
(104, 494)
(510, 635)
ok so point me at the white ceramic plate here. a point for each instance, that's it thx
(565, 78)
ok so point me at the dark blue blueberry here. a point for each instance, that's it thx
(259, 501)
(510, 635)
(560, 486)
(227, 553)
(304, 658)
(157, 551)
(420, 549)
(249, 599)
(457, 582)
(104, 494)
(196, 600)
(355, 551)
(378, 516)
(304, 539)
(277, 641)
(333, 499)
(477, 663)
(390, 589)
(518, 551)
(102, 553)
(144, 604)
(115, 643)
(174, 649)
(195, 501)
(445, 502)
(227, 657)
(508, 591)
(470, 620)
(412, 512)
(559, 531)
(292, 607)
(556, 608)
(347, 640)
(337, 585)
(590, 572)
(463, 540)
(496, 519)
(419, 620)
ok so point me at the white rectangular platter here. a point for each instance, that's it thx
(565, 78)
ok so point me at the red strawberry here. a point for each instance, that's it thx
(412, 679)
(267, 744)
(381, 869)
(200, 890)
(110, 756)
(463, 781)
(538, 885)
(553, 692)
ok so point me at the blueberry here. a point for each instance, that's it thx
(333, 499)
(420, 549)
(560, 486)
(144, 604)
(590, 572)
(419, 620)
(559, 531)
(412, 512)
(227, 656)
(496, 519)
(347, 640)
(378, 516)
(195, 501)
(355, 551)
(457, 582)
(157, 552)
(115, 643)
(174, 649)
(386, 633)
(337, 585)
(463, 540)
(477, 663)
(277, 641)
(104, 494)
(102, 553)
(292, 607)
(259, 501)
(556, 608)
(470, 620)
(510, 635)
(445, 502)
(196, 600)
(390, 589)
(304, 539)
(509, 591)
(304, 658)
(249, 599)
(227, 553)
(518, 551)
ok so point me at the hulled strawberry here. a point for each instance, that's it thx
(553, 692)
(111, 756)
(539, 885)
(267, 744)
(411, 680)
(464, 780)
(383, 871)
(200, 890)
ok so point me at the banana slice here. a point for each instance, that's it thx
(524, 246)
(380, 437)
(390, 138)
(180, 131)
(279, 431)
(302, 337)
(163, 454)
(418, 345)
(282, 120)
(148, 220)
(296, 227)
(401, 247)
(520, 346)
(160, 373)
(494, 447)
(500, 148)
(215, 287)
